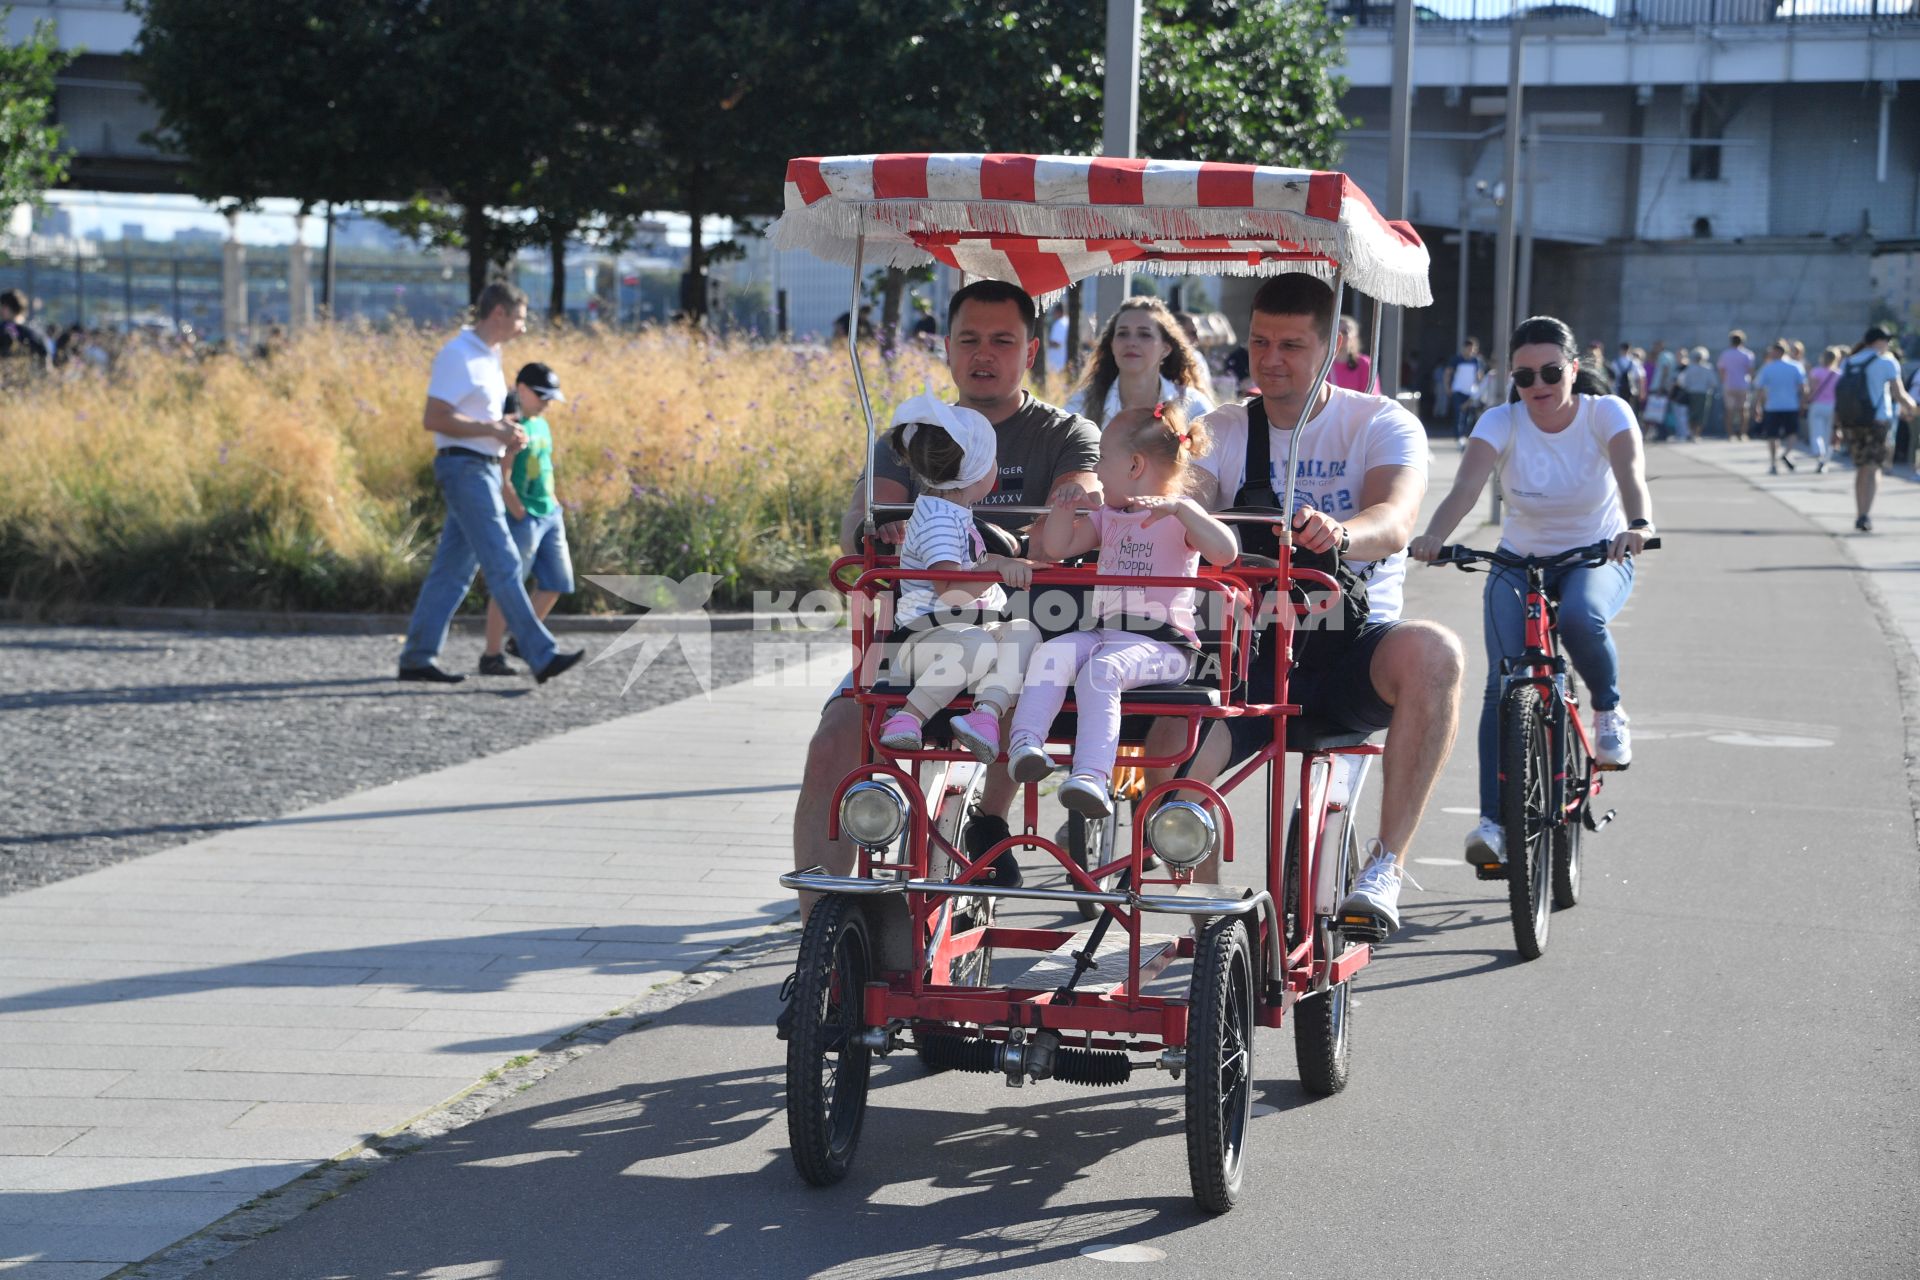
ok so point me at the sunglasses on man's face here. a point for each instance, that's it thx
(1549, 374)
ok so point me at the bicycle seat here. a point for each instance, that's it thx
(1307, 734)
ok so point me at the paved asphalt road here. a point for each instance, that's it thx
(1711, 1073)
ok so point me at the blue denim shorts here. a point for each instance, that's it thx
(543, 551)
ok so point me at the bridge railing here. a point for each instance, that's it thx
(1640, 13)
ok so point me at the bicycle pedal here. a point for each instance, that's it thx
(1598, 767)
(1359, 928)
(1490, 871)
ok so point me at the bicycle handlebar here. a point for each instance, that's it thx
(1464, 557)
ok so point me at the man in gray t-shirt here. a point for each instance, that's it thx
(990, 347)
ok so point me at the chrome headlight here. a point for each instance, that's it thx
(1182, 833)
(872, 814)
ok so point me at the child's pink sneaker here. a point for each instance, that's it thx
(979, 732)
(901, 732)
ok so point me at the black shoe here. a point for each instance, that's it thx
(783, 1025)
(984, 832)
(1863, 524)
(513, 647)
(1787, 462)
(492, 664)
(560, 663)
(429, 674)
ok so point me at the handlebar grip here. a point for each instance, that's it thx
(1651, 544)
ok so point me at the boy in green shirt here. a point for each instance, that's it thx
(534, 516)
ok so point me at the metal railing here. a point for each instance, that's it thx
(1639, 13)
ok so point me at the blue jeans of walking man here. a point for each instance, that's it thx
(1589, 599)
(476, 537)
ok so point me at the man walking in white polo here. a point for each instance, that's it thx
(466, 397)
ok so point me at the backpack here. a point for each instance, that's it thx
(1853, 406)
(1323, 637)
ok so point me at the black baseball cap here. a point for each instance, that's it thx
(1878, 334)
(541, 379)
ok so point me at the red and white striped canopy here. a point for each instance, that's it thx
(1044, 222)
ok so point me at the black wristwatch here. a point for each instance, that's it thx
(1346, 540)
(1640, 524)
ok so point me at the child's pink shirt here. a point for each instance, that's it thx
(1131, 548)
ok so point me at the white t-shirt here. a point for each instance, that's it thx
(1354, 433)
(1559, 486)
(940, 532)
(1057, 345)
(468, 376)
(1193, 402)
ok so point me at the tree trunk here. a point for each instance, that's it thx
(693, 285)
(473, 225)
(557, 298)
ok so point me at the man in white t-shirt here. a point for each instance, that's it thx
(1057, 340)
(1361, 474)
(466, 404)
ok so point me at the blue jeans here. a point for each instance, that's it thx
(475, 537)
(542, 543)
(1589, 598)
(1457, 408)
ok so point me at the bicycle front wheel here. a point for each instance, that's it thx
(1526, 814)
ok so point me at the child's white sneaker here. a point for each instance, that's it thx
(1086, 794)
(1027, 760)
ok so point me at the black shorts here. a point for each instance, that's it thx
(1778, 425)
(1339, 693)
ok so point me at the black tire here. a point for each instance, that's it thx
(1322, 1024)
(1526, 815)
(827, 1068)
(1566, 837)
(1220, 1064)
(1091, 842)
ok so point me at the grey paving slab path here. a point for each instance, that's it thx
(185, 1031)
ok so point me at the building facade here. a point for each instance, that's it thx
(1704, 165)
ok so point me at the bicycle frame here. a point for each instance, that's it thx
(1541, 665)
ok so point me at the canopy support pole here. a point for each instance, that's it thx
(859, 376)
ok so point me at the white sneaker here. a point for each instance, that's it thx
(1612, 744)
(1486, 843)
(1086, 794)
(1372, 910)
(1027, 760)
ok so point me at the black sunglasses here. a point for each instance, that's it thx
(1549, 374)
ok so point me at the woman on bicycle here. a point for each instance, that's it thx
(1572, 470)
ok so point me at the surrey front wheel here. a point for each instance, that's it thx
(1526, 793)
(1220, 1064)
(827, 1066)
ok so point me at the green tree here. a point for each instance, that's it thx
(30, 156)
(319, 120)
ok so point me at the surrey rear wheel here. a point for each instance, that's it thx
(827, 1067)
(1220, 1063)
(1526, 815)
(1091, 843)
(1321, 1022)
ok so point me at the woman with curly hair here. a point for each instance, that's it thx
(1144, 358)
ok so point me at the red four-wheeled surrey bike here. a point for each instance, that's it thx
(907, 951)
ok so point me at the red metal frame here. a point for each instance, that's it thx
(1119, 1015)
(1541, 652)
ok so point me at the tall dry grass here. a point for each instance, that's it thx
(304, 480)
